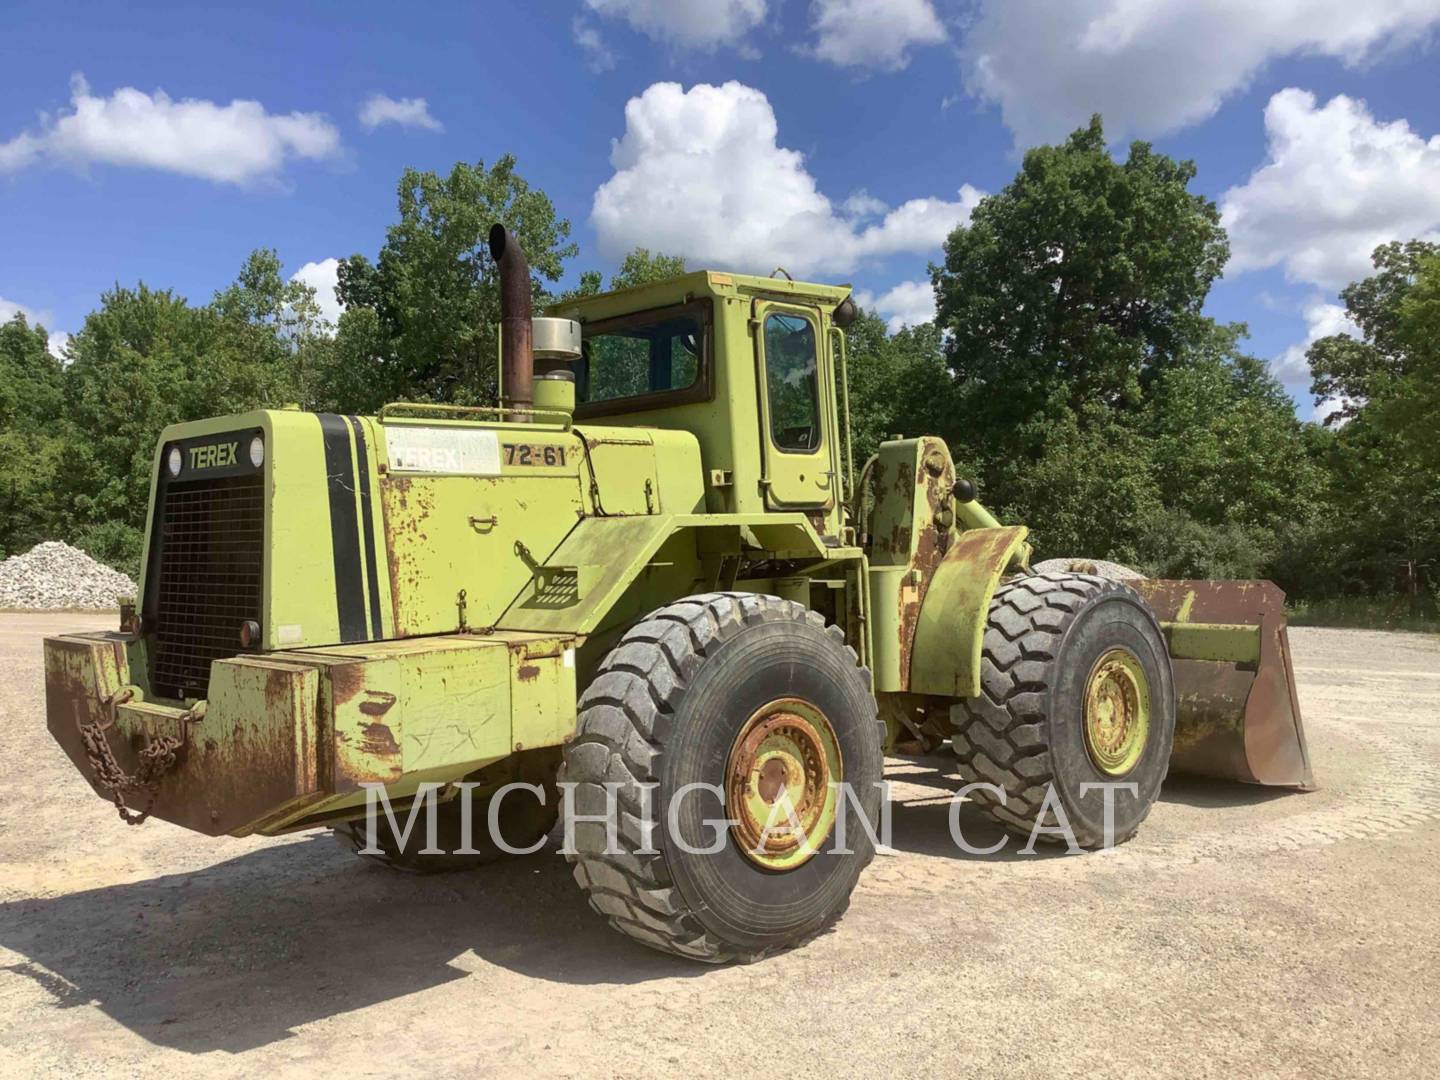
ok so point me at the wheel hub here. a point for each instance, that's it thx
(1117, 712)
(778, 783)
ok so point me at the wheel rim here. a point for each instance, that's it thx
(785, 751)
(1117, 712)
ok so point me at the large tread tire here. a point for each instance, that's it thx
(1023, 734)
(523, 821)
(639, 725)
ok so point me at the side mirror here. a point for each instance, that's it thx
(845, 314)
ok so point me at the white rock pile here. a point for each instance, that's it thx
(1112, 571)
(55, 575)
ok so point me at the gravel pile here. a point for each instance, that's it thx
(1112, 571)
(55, 575)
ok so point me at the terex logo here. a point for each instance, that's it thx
(428, 459)
(214, 456)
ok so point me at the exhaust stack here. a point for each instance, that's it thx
(517, 357)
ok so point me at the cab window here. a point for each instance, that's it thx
(791, 381)
(640, 357)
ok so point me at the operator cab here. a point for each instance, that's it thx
(748, 365)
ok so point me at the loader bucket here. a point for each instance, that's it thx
(1237, 716)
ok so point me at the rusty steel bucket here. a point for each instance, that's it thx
(1237, 715)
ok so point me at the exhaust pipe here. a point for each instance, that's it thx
(517, 357)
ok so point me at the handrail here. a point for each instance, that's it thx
(562, 419)
(847, 487)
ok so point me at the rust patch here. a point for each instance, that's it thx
(345, 681)
(379, 704)
(379, 740)
(527, 672)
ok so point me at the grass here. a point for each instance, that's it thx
(1362, 613)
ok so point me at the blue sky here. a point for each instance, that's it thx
(840, 138)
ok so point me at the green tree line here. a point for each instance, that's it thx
(1069, 366)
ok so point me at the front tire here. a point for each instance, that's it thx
(1076, 690)
(754, 696)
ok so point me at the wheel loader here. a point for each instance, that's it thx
(650, 587)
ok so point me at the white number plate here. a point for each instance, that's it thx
(458, 451)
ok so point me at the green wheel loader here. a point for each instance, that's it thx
(649, 587)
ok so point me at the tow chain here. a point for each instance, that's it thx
(159, 757)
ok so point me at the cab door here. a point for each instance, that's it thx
(794, 415)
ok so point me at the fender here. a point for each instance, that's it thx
(945, 655)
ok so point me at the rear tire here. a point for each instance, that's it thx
(672, 705)
(523, 822)
(1051, 640)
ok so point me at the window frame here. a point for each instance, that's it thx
(702, 389)
(788, 307)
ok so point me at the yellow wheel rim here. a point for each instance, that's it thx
(1117, 712)
(778, 783)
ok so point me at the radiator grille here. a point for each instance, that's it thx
(210, 567)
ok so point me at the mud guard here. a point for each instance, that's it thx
(945, 653)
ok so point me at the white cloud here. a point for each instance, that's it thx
(323, 276)
(861, 204)
(406, 112)
(873, 33)
(700, 173)
(600, 58)
(908, 304)
(1322, 319)
(1328, 408)
(1335, 184)
(1152, 66)
(690, 24)
(9, 309)
(233, 143)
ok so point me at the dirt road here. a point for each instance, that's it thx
(1243, 932)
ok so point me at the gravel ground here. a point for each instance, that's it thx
(1243, 932)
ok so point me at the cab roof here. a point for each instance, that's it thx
(678, 290)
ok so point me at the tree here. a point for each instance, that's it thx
(147, 359)
(1225, 445)
(1078, 282)
(1384, 459)
(640, 267)
(31, 399)
(30, 378)
(898, 384)
(421, 322)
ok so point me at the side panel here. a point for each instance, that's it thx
(482, 535)
(578, 588)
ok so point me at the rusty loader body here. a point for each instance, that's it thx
(655, 565)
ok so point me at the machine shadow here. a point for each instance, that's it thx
(1210, 794)
(922, 794)
(238, 955)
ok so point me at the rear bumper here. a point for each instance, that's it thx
(289, 739)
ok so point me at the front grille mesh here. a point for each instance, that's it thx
(211, 562)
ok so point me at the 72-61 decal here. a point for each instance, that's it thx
(534, 454)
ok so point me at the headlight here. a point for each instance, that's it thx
(172, 462)
(257, 451)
